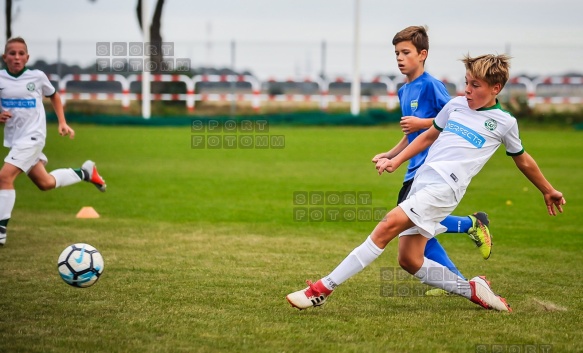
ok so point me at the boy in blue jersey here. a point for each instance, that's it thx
(23, 115)
(421, 98)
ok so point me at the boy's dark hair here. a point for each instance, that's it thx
(15, 40)
(416, 34)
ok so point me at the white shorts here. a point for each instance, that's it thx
(26, 157)
(430, 200)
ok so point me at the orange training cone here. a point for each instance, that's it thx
(87, 212)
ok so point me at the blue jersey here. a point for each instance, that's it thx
(422, 98)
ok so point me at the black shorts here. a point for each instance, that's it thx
(404, 192)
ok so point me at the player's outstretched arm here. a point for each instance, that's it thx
(419, 144)
(393, 151)
(64, 129)
(554, 199)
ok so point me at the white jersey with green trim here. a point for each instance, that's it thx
(468, 139)
(22, 95)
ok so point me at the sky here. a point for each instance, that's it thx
(283, 38)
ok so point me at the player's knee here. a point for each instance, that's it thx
(409, 263)
(44, 185)
(386, 231)
(6, 182)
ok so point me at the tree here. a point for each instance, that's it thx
(155, 35)
(11, 14)
(8, 13)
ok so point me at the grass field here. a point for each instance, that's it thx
(201, 247)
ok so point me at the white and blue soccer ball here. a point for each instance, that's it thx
(80, 265)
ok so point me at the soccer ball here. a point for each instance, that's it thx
(80, 265)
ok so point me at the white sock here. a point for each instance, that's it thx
(439, 276)
(355, 262)
(65, 177)
(7, 200)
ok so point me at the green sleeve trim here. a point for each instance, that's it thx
(437, 127)
(515, 154)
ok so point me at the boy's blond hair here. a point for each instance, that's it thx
(416, 34)
(491, 68)
(15, 40)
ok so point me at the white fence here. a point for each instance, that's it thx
(255, 95)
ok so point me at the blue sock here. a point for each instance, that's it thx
(455, 224)
(434, 251)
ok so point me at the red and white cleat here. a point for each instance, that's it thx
(483, 295)
(92, 176)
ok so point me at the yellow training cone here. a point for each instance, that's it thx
(87, 212)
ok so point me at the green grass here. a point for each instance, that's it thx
(201, 247)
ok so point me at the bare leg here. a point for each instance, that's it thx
(391, 226)
(411, 250)
(8, 174)
(41, 178)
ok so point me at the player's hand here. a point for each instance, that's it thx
(385, 164)
(4, 116)
(554, 199)
(379, 156)
(65, 130)
(411, 124)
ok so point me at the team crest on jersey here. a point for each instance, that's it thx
(30, 86)
(414, 105)
(491, 124)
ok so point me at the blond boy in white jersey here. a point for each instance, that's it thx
(465, 134)
(23, 115)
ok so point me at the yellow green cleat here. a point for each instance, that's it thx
(437, 292)
(480, 233)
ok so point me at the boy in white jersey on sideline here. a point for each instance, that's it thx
(22, 112)
(464, 135)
